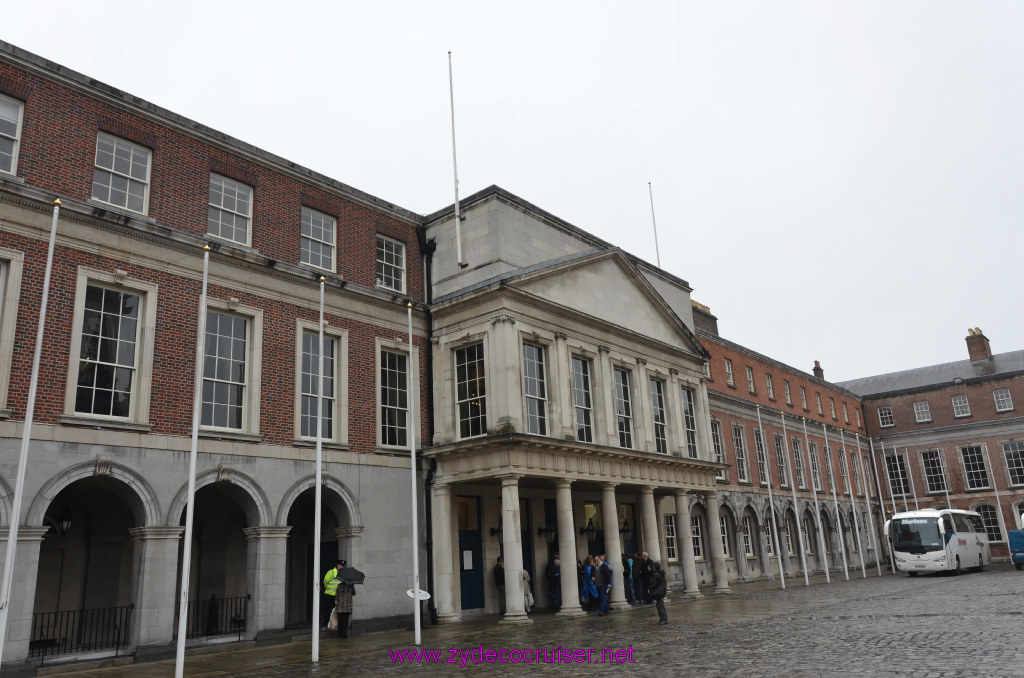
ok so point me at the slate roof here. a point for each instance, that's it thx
(1001, 364)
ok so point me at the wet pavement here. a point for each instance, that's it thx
(971, 625)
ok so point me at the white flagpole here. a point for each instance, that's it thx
(413, 410)
(888, 477)
(903, 478)
(892, 496)
(796, 505)
(945, 479)
(455, 167)
(853, 506)
(817, 509)
(835, 499)
(657, 251)
(318, 484)
(910, 472)
(771, 500)
(26, 435)
(186, 556)
(995, 487)
(867, 503)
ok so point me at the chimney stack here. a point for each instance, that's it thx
(818, 372)
(977, 345)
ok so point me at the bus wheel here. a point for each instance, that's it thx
(912, 574)
(957, 570)
(981, 563)
(1018, 566)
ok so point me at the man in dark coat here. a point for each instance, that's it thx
(646, 568)
(499, 581)
(658, 590)
(343, 603)
(603, 582)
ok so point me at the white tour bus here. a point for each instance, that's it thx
(938, 540)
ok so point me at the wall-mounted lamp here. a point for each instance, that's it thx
(626, 532)
(589, 531)
(64, 522)
(495, 531)
(547, 532)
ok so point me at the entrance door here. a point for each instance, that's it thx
(471, 553)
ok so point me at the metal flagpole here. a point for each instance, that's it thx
(455, 167)
(867, 502)
(318, 484)
(853, 506)
(835, 499)
(910, 472)
(945, 480)
(903, 478)
(995, 486)
(892, 496)
(796, 505)
(186, 557)
(771, 501)
(413, 399)
(817, 509)
(26, 435)
(657, 252)
(888, 477)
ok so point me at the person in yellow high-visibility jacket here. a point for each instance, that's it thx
(327, 591)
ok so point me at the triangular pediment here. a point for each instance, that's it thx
(606, 287)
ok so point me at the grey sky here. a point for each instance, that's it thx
(838, 181)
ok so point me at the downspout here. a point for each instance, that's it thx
(427, 248)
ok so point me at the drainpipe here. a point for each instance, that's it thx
(427, 248)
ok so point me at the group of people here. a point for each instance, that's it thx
(642, 577)
(336, 600)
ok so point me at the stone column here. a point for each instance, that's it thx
(683, 528)
(567, 549)
(676, 419)
(505, 358)
(563, 416)
(650, 522)
(702, 414)
(444, 599)
(23, 591)
(350, 549)
(715, 545)
(511, 540)
(612, 544)
(606, 386)
(640, 403)
(154, 574)
(267, 559)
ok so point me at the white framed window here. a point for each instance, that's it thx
(728, 373)
(535, 393)
(846, 414)
(934, 477)
(832, 407)
(582, 399)
(749, 530)
(1014, 454)
(762, 460)
(780, 459)
(827, 449)
(785, 388)
(334, 427)
(991, 520)
(750, 380)
(896, 467)
(318, 231)
(866, 465)
(808, 531)
(740, 454)
(390, 264)
(231, 370)
(718, 447)
(855, 471)
(812, 450)
(791, 537)
(723, 525)
(229, 212)
(658, 415)
(110, 370)
(803, 398)
(961, 408)
(974, 468)
(690, 422)
(885, 417)
(769, 538)
(121, 175)
(798, 464)
(670, 537)
(922, 411)
(396, 386)
(1002, 398)
(11, 114)
(623, 407)
(695, 538)
(841, 462)
(11, 263)
(817, 400)
(856, 413)
(769, 386)
(707, 370)
(471, 391)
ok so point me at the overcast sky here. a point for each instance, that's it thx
(840, 181)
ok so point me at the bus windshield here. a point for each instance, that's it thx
(916, 535)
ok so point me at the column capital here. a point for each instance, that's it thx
(156, 532)
(267, 532)
(609, 485)
(563, 482)
(442, 488)
(509, 479)
(648, 489)
(26, 534)
(349, 531)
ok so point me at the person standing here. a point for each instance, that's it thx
(556, 584)
(658, 589)
(627, 577)
(603, 583)
(343, 602)
(646, 568)
(499, 581)
(327, 591)
(589, 590)
(527, 591)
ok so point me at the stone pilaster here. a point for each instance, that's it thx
(23, 591)
(267, 559)
(154, 575)
(715, 545)
(685, 532)
(444, 565)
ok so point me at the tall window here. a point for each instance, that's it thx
(856, 413)
(768, 385)
(658, 415)
(897, 470)
(866, 465)
(318, 231)
(471, 392)
(225, 373)
(749, 530)
(10, 134)
(230, 210)
(785, 388)
(534, 390)
(832, 407)
(856, 473)
(723, 527)
(121, 175)
(828, 468)
(311, 385)
(1014, 453)
(728, 372)
(716, 445)
(808, 531)
(974, 467)
(922, 411)
(780, 460)
(108, 356)
(885, 416)
(934, 478)
(812, 448)
(623, 409)
(846, 414)
(698, 544)
(1003, 401)
(740, 454)
(394, 399)
(841, 462)
(581, 399)
(991, 520)
(670, 537)
(690, 422)
(961, 408)
(750, 380)
(798, 464)
(769, 538)
(762, 461)
(803, 397)
(817, 400)
(390, 264)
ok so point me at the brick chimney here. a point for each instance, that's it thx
(818, 372)
(977, 345)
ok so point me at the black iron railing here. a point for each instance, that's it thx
(71, 631)
(216, 617)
